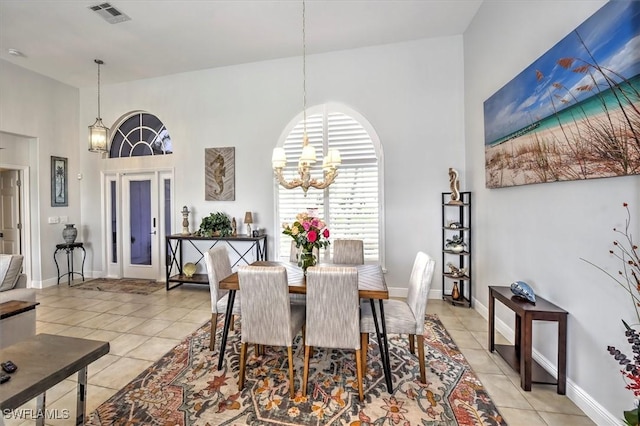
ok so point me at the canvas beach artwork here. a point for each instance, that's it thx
(574, 113)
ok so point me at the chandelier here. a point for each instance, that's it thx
(98, 132)
(308, 157)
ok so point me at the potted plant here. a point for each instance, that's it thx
(215, 225)
(455, 244)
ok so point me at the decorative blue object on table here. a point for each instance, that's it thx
(522, 289)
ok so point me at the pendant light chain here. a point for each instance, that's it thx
(99, 62)
(304, 76)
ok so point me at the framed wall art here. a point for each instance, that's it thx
(219, 172)
(574, 113)
(59, 186)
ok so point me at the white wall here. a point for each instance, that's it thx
(46, 112)
(411, 93)
(538, 233)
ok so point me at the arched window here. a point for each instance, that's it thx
(139, 133)
(352, 205)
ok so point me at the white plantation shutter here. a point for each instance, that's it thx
(353, 200)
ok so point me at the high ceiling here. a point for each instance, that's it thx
(61, 38)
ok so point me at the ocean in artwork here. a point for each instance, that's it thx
(626, 93)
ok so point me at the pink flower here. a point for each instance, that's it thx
(306, 225)
(325, 233)
(315, 223)
(312, 236)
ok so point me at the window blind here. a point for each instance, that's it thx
(352, 207)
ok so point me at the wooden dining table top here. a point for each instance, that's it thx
(371, 283)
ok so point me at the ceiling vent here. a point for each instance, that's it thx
(109, 13)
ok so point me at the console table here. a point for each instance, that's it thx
(519, 356)
(69, 248)
(174, 262)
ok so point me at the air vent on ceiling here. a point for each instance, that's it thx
(109, 13)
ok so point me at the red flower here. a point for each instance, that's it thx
(325, 233)
(312, 236)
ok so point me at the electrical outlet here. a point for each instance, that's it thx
(54, 219)
(64, 219)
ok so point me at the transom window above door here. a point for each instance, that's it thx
(137, 134)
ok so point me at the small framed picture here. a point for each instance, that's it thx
(59, 187)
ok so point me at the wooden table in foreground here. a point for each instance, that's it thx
(519, 356)
(371, 285)
(15, 307)
(43, 361)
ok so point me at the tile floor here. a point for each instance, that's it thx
(142, 328)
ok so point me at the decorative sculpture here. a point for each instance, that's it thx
(523, 290)
(454, 271)
(234, 227)
(185, 221)
(454, 184)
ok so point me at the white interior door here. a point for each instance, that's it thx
(10, 236)
(140, 226)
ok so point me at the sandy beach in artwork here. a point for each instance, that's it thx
(576, 150)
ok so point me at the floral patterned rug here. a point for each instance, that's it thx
(185, 388)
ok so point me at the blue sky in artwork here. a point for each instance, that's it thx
(612, 37)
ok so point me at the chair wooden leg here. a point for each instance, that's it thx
(233, 320)
(292, 392)
(364, 345)
(214, 327)
(359, 368)
(412, 344)
(305, 371)
(243, 355)
(423, 377)
(256, 349)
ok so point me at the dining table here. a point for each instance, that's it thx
(371, 286)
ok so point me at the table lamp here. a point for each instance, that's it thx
(248, 219)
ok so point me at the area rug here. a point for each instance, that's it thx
(185, 388)
(122, 285)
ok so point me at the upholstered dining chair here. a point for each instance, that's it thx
(333, 315)
(348, 252)
(218, 268)
(404, 317)
(269, 317)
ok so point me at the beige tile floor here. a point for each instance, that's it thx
(142, 328)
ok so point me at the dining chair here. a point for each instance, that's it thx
(269, 317)
(348, 252)
(404, 317)
(333, 315)
(218, 266)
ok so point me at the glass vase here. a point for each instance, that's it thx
(306, 259)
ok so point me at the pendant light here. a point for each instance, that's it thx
(98, 132)
(308, 156)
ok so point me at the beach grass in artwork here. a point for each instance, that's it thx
(575, 112)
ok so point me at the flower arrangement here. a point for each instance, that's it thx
(627, 251)
(309, 232)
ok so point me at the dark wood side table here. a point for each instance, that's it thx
(519, 356)
(15, 307)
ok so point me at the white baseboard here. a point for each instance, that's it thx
(591, 408)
